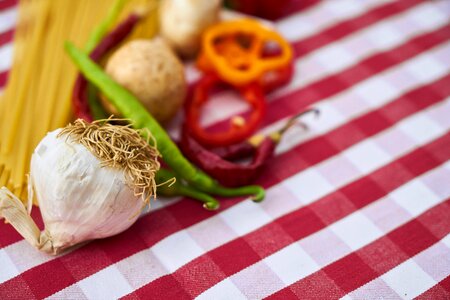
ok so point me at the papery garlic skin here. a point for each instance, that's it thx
(79, 199)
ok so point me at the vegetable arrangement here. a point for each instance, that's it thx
(132, 109)
(235, 53)
(93, 177)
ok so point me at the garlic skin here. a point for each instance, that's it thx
(79, 199)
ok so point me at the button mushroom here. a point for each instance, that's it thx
(152, 72)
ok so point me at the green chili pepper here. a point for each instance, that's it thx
(177, 188)
(97, 110)
(94, 39)
(130, 107)
(101, 29)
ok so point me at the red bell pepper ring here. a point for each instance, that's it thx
(248, 56)
(200, 94)
(277, 78)
(252, 93)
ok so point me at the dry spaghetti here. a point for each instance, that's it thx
(37, 96)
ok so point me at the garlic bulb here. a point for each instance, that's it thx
(90, 182)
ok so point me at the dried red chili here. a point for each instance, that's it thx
(80, 101)
(216, 163)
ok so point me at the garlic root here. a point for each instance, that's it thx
(13, 210)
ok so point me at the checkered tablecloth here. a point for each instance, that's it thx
(357, 206)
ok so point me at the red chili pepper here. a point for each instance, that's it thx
(267, 9)
(79, 95)
(248, 147)
(237, 151)
(252, 93)
(227, 172)
(277, 78)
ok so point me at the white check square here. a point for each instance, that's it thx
(108, 283)
(376, 92)
(177, 250)
(356, 230)
(446, 240)
(245, 217)
(291, 263)
(5, 51)
(258, 275)
(344, 8)
(308, 186)
(426, 68)
(427, 17)
(367, 156)
(137, 275)
(330, 118)
(384, 36)
(414, 197)
(408, 280)
(8, 18)
(70, 292)
(8, 269)
(211, 233)
(223, 290)
(334, 57)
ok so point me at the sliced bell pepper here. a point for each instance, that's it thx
(235, 51)
(252, 93)
(251, 58)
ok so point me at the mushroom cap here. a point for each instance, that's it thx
(153, 73)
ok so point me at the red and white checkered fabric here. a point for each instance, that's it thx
(357, 207)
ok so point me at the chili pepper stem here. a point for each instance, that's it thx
(295, 118)
(209, 202)
(257, 192)
(276, 136)
(169, 185)
(257, 139)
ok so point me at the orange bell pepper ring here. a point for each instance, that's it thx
(234, 50)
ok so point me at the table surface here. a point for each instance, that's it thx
(357, 206)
